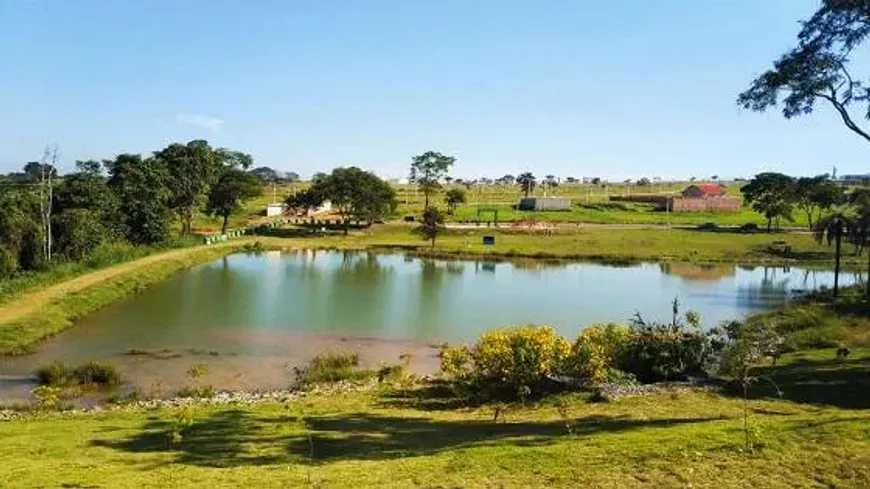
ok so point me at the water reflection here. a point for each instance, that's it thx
(698, 272)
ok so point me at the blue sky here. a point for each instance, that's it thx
(622, 88)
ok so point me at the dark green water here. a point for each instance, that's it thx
(260, 313)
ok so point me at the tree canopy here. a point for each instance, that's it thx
(427, 171)
(770, 194)
(817, 69)
(527, 182)
(354, 194)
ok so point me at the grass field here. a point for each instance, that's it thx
(815, 436)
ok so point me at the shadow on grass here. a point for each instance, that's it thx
(840, 383)
(237, 438)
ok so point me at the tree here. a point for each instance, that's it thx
(832, 228)
(20, 231)
(265, 174)
(432, 224)
(226, 195)
(817, 68)
(454, 197)
(507, 179)
(815, 195)
(550, 182)
(427, 171)
(144, 195)
(596, 181)
(527, 182)
(643, 182)
(770, 194)
(571, 180)
(354, 193)
(192, 168)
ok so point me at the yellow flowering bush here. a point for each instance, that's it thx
(597, 351)
(515, 359)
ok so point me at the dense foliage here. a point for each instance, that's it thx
(128, 199)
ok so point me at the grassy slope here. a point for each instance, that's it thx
(45, 311)
(394, 438)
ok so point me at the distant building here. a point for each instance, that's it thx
(544, 204)
(704, 191)
(855, 178)
(275, 210)
(704, 197)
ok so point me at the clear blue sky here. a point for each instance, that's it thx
(621, 88)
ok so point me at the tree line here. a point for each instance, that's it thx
(130, 198)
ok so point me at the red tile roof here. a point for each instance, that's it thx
(711, 189)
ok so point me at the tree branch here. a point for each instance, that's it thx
(844, 114)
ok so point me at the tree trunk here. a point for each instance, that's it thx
(433, 241)
(425, 199)
(838, 240)
(769, 223)
(224, 227)
(867, 293)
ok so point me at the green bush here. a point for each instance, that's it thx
(597, 351)
(96, 373)
(510, 362)
(201, 392)
(54, 374)
(666, 352)
(330, 367)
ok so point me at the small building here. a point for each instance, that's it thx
(544, 204)
(704, 191)
(275, 210)
(704, 197)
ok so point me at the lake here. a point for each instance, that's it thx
(252, 316)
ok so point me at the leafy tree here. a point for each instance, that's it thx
(354, 193)
(290, 177)
(596, 181)
(192, 168)
(78, 232)
(432, 224)
(527, 182)
(87, 189)
(571, 180)
(226, 195)
(305, 200)
(770, 194)
(20, 232)
(427, 171)
(507, 179)
(833, 228)
(144, 196)
(265, 174)
(815, 195)
(643, 182)
(453, 198)
(817, 68)
(550, 182)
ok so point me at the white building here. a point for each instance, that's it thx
(275, 210)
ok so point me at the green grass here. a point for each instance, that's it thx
(107, 255)
(816, 436)
(18, 336)
(591, 244)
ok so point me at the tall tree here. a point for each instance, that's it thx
(770, 194)
(232, 188)
(427, 171)
(815, 195)
(833, 228)
(144, 196)
(817, 68)
(193, 167)
(527, 182)
(861, 228)
(265, 173)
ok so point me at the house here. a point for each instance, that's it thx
(704, 197)
(544, 204)
(704, 191)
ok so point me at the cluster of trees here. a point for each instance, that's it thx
(775, 196)
(44, 216)
(355, 194)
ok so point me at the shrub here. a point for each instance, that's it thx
(96, 373)
(708, 226)
(597, 351)
(330, 367)
(666, 352)
(59, 374)
(512, 361)
(54, 374)
(749, 228)
(201, 392)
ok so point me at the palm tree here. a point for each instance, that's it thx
(832, 228)
(860, 234)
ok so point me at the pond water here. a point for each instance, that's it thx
(249, 317)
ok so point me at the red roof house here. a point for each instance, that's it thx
(704, 191)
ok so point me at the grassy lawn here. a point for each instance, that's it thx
(815, 436)
(589, 243)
